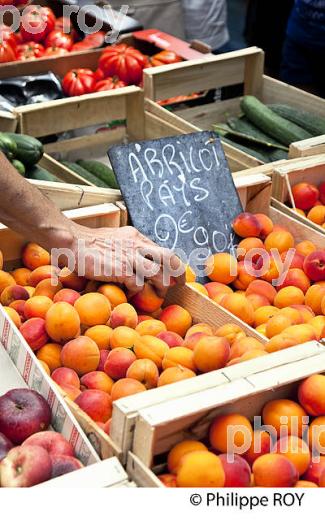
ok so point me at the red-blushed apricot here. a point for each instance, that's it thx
(179, 450)
(266, 224)
(244, 278)
(123, 337)
(314, 265)
(97, 380)
(243, 345)
(316, 434)
(264, 314)
(296, 278)
(247, 225)
(34, 256)
(45, 272)
(286, 415)
(305, 484)
(315, 470)
(311, 395)
(115, 294)
(101, 335)
(215, 288)
(80, 354)
(66, 376)
(6, 280)
(62, 322)
(199, 327)
(13, 293)
(193, 340)
(305, 195)
(171, 338)
(18, 306)
(274, 470)
(261, 444)
(124, 315)
(240, 306)
(305, 247)
(230, 432)
(66, 295)
(150, 347)
(150, 328)
(174, 375)
(277, 324)
(118, 361)
(231, 332)
(257, 300)
(168, 480)
(179, 356)
(295, 450)
(263, 288)
(147, 299)
(296, 261)
(72, 280)
(70, 391)
(93, 309)
(211, 353)
(47, 287)
(322, 479)
(222, 268)
(200, 469)
(237, 471)
(21, 275)
(177, 319)
(289, 295)
(37, 307)
(34, 332)
(51, 355)
(96, 403)
(252, 245)
(125, 387)
(103, 355)
(13, 315)
(145, 371)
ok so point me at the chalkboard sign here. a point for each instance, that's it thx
(180, 193)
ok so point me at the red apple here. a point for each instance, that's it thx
(5, 446)
(62, 464)
(22, 413)
(25, 466)
(314, 266)
(54, 443)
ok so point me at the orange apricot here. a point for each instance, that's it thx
(317, 215)
(62, 322)
(123, 337)
(241, 346)
(280, 240)
(231, 332)
(285, 415)
(182, 448)
(21, 275)
(177, 319)
(113, 293)
(277, 324)
(93, 309)
(222, 268)
(48, 287)
(247, 225)
(314, 297)
(80, 354)
(149, 347)
(179, 356)
(51, 355)
(147, 299)
(228, 432)
(263, 314)
(263, 288)
(215, 288)
(289, 295)
(295, 450)
(13, 315)
(34, 256)
(101, 335)
(240, 306)
(174, 374)
(145, 371)
(125, 387)
(150, 328)
(200, 469)
(37, 307)
(6, 280)
(257, 300)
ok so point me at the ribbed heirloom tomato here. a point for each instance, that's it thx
(78, 82)
(7, 53)
(36, 23)
(29, 50)
(109, 84)
(58, 38)
(91, 41)
(125, 62)
(7, 35)
(55, 51)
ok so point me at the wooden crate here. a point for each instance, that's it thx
(240, 67)
(308, 147)
(160, 427)
(8, 121)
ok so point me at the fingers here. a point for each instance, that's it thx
(132, 285)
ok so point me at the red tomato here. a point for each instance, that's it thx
(166, 57)
(7, 53)
(7, 2)
(55, 51)
(36, 23)
(78, 82)
(65, 25)
(91, 41)
(109, 84)
(58, 38)
(99, 75)
(29, 50)
(125, 62)
(7, 35)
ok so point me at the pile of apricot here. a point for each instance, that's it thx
(237, 455)
(310, 201)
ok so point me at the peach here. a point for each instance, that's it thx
(240, 306)
(103, 355)
(101, 335)
(97, 380)
(37, 307)
(277, 324)
(12, 293)
(179, 356)
(280, 240)
(317, 215)
(231, 332)
(150, 328)
(34, 256)
(47, 287)
(72, 280)
(174, 374)
(200, 469)
(66, 295)
(21, 275)
(189, 274)
(243, 277)
(247, 225)
(80, 354)
(62, 322)
(263, 314)
(305, 247)
(13, 315)
(6, 280)
(286, 414)
(149, 347)
(305, 195)
(311, 395)
(51, 355)
(314, 266)
(171, 338)
(147, 300)
(315, 470)
(263, 288)
(318, 324)
(215, 288)
(249, 244)
(297, 278)
(182, 448)
(93, 309)
(113, 293)
(274, 470)
(241, 346)
(125, 387)
(305, 484)
(266, 224)
(34, 332)
(287, 295)
(177, 319)
(261, 444)
(198, 287)
(66, 376)
(96, 403)
(211, 353)
(257, 300)
(199, 327)
(237, 471)
(295, 450)
(45, 272)
(228, 432)
(145, 371)
(124, 314)
(222, 268)
(118, 361)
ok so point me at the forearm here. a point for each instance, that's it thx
(24, 209)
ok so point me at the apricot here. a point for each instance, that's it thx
(199, 327)
(80, 354)
(222, 268)
(305, 484)
(321, 480)
(37, 307)
(305, 247)
(123, 337)
(174, 374)
(263, 288)
(315, 471)
(247, 225)
(274, 470)
(72, 280)
(45, 272)
(12, 293)
(252, 354)
(51, 355)
(6, 280)
(266, 224)
(115, 294)
(286, 415)
(198, 287)
(237, 471)
(313, 298)
(287, 295)
(179, 356)
(101, 335)
(66, 295)
(230, 432)
(269, 270)
(243, 345)
(34, 256)
(147, 299)
(182, 448)
(311, 395)
(200, 469)
(261, 329)
(177, 319)
(145, 371)
(189, 274)
(124, 315)
(96, 403)
(296, 278)
(18, 306)
(93, 309)
(301, 333)
(125, 387)
(277, 324)
(244, 278)
(280, 342)
(296, 262)
(316, 435)
(103, 355)
(260, 445)
(218, 298)
(231, 332)
(263, 314)
(150, 328)
(45, 367)
(318, 324)
(168, 480)
(280, 240)
(295, 450)
(317, 215)
(215, 288)
(62, 322)
(70, 391)
(13, 315)
(257, 300)
(21, 275)
(118, 361)
(97, 380)
(171, 338)
(240, 306)
(249, 244)
(211, 353)
(34, 332)
(149, 347)
(192, 340)
(47, 287)
(66, 376)
(293, 314)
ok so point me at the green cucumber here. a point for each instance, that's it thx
(310, 122)
(39, 174)
(278, 155)
(85, 174)
(101, 171)
(7, 145)
(246, 138)
(244, 126)
(20, 167)
(271, 123)
(256, 152)
(28, 149)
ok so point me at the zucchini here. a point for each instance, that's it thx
(85, 174)
(28, 149)
(268, 121)
(101, 171)
(7, 145)
(20, 167)
(39, 174)
(256, 152)
(244, 126)
(310, 122)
